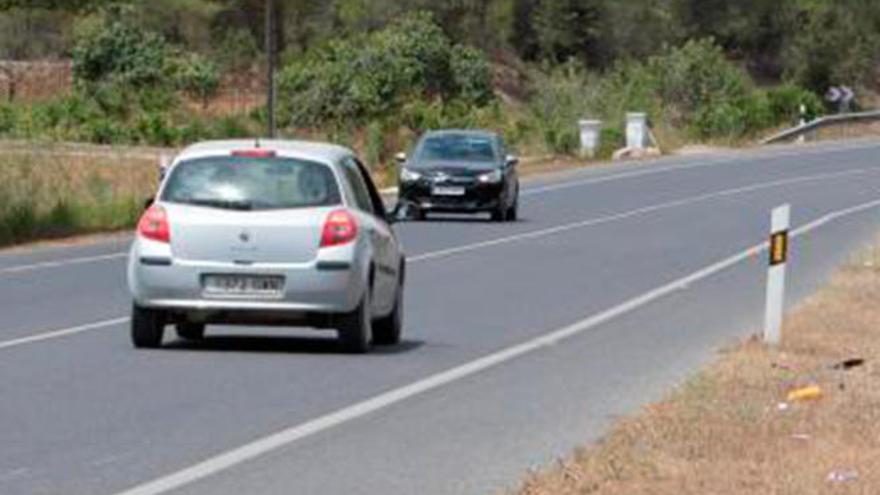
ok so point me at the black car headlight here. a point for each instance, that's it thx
(407, 175)
(493, 177)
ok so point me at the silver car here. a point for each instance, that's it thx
(267, 233)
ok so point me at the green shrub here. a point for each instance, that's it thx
(154, 128)
(194, 130)
(566, 95)
(472, 75)
(8, 118)
(236, 51)
(353, 81)
(611, 140)
(120, 53)
(697, 75)
(721, 119)
(104, 130)
(53, 195)
(785, 102)
(199, 78)
(229, 126)
(692, 87)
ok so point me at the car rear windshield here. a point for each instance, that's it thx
(457, 147)
(243, 183)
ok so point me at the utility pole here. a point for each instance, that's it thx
(270, 75)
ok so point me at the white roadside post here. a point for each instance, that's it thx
(776, 275)
(636, 130)
(590, 134)
(802, 139)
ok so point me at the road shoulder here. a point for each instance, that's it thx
(802, 418)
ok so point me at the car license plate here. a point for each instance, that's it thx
(447, 191)
(243, 285)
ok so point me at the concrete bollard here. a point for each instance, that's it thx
(636, 130)
(590, 137)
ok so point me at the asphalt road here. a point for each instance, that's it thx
(522, 340)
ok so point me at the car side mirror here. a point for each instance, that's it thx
(402, 212)
(392, 217)
(400, 158)
(164, 164)
(511, 160)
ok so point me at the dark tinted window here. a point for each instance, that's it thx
(252, 183)
(457, 147)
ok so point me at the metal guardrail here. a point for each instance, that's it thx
(846, 118)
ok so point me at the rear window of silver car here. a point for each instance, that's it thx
(244, 183)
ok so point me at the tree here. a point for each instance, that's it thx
(524, 38)
(122, 54)
(753, 30)
(569, 29)
(835, 43)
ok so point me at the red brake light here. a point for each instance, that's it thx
(154, 225)
(339, 228)
(254, 153)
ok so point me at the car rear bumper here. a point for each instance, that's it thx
(312, 288)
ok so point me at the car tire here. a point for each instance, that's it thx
(512, 212)
(388, 330)
(355, 329)
(499, 214)
(190, 331)
(147, 328)
(419, 214)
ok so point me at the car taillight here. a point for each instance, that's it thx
(154, 225)
(339, 228)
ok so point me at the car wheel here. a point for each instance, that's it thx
(387, 330)
(190, 331)
(419, 214)
(499, 214)
(355, 329)
(147, 328)
(512, 212)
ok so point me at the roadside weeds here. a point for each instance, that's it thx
(734, 428)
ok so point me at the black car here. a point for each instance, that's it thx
(456, 171)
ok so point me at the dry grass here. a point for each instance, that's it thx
(847, 131)
(61, 193)
(723, 431)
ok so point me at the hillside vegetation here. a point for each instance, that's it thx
(373, 73)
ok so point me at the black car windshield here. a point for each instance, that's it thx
(456, 147)
(243, 183)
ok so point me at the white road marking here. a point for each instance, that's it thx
(64, 262)
(643, 169)
(503, 240)
(291, 435)
(62, 333)
(646, 169)
(633, 213)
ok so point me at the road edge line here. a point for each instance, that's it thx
(62, 333)
(283, 438)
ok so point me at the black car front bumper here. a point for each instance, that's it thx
(477, 197)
